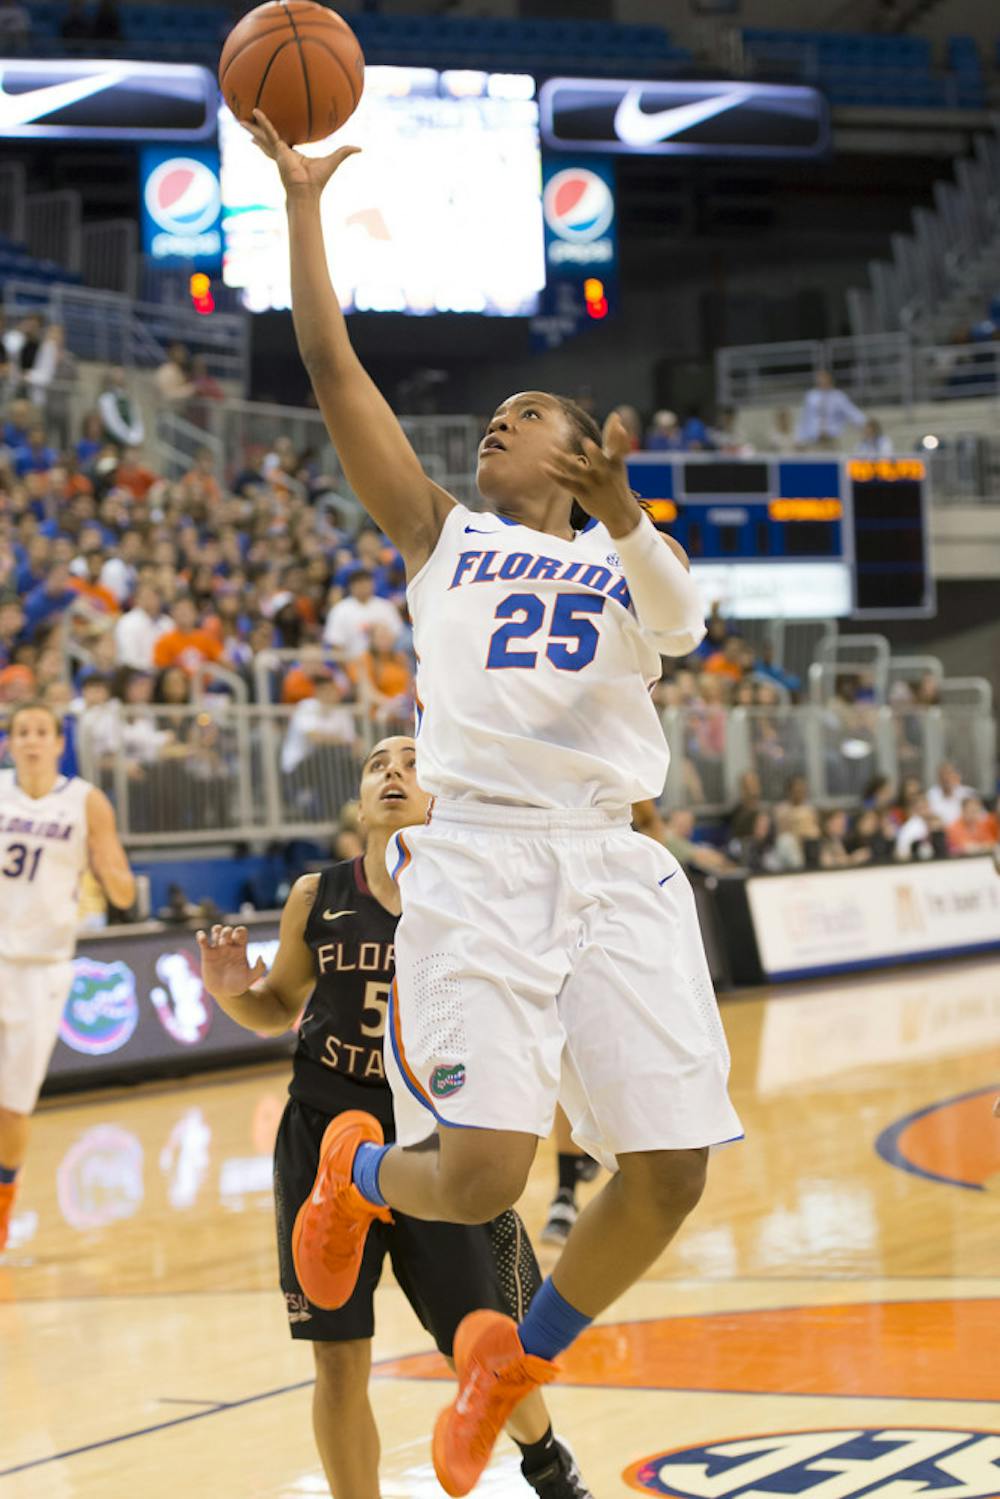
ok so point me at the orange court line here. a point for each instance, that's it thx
(921, 1350)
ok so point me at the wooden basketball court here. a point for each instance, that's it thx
(828, 1323)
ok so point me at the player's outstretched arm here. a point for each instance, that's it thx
(262, 1000)
(107, 858)
(381, 466)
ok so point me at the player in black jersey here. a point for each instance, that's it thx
(335, 958)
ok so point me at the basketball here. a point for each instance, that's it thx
(298, 62)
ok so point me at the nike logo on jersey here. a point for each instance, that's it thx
(666, 877)
(333, 915)
(634, 127)
(477, 531)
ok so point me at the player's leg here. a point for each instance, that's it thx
(447, 1271)
(573, 1165)
(32, 998)
(343, 1420)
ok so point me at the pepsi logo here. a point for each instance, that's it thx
(837, 1464)
(578, 205)
(182, 196)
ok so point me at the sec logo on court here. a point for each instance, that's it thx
(834, 1464)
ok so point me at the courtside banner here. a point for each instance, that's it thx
(833, 921)
(726, 119)
(137, 1007)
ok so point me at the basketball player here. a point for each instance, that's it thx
(51, 828)
(545, 949)
(573, 1166)
(337, 935)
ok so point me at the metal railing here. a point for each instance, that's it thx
(838, 750)
(52, 224)
(110, 328)
(880, 369)
(221, 771)
(109, 255)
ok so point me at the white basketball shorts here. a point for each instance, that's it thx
(32, 999)
(552, 956)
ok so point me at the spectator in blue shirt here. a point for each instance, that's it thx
(49, 597)
(664, 435)
(35, 457)
(826, 414)
(21, 418)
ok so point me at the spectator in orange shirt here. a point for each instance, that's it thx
(133, 475)
(383, 675)
(727, 662)
(87, 582)
(186, 644)
(300, 681)
(975, 832)
(200, 483)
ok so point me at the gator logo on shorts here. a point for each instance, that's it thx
(102, 1010)
(447, 1080)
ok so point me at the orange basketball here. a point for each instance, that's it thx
(298, 62)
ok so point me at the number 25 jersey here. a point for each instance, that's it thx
(43, 853)
(533, 672)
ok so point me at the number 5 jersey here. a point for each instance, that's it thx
(43, 854)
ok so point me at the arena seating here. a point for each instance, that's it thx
(18, 264)
(862, 69)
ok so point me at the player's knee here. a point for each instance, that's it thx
(342, 1370)
(484, 1192)
(672, 1181)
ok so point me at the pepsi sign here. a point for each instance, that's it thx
(578, 207)
(181, 208)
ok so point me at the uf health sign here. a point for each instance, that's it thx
(181, 207)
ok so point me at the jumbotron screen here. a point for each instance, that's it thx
(441, 213)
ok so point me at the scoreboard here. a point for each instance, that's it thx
(801, 537)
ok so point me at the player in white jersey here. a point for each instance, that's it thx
(51, 827)
(545, 950)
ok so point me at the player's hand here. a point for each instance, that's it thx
(225, 971)
(299, 174)
(601, 484)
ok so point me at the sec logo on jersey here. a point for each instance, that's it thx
(578, 205)
(838, 1463)
(182, 196)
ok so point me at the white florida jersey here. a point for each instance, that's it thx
(43, 854)
(533, 674)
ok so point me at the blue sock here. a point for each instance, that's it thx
(364, 1172)
(8, 1174)
(551, 1324)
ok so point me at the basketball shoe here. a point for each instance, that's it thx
(563, 1213)
(494, 1375)
(331, 1226)
(559, 1478)
(8, 1191)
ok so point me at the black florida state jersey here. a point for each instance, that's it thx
(338, 1061)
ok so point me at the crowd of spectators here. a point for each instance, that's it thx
(889, 824)
(135, 603)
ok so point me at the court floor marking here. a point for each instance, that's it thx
(303, 1384)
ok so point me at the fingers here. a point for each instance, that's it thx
(615, 438)
(223, 936)
(264, 132)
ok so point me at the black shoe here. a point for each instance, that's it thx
(563, 1213)
(560, 1476)
(586, 1168)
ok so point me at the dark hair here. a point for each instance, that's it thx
(584, 426)
(37, 705)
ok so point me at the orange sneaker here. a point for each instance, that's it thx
(8, 1191)
(331, 1226)
(494, 1375)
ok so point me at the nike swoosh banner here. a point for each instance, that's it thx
(107, 100)
(730, 118)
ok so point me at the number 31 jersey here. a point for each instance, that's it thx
(43, 854)
(533, 673)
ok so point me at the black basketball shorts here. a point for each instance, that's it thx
(445, 1270)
